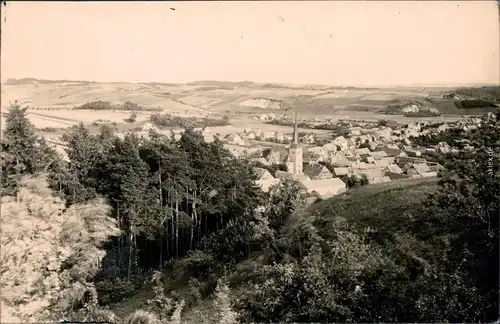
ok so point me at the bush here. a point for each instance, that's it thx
(167, 120)
(114, 290)
(422, 113)
(48, 129)
(352, 181)
(132, 118)
(382, 122)
(474, 103)
(106, 105)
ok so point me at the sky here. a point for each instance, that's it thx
(308, 42)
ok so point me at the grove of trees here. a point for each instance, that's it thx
(80, 236)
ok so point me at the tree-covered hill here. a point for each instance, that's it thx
(184, 220)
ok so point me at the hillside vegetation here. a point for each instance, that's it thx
(166, 230)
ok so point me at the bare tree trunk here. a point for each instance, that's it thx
(129, 273)
(176, 228)
(18, 180)
(161, 227)
(193, 220)
(120, 238)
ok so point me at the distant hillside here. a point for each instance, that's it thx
(487, 93)
(221, 83)
(13, 81)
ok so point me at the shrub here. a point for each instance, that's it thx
(48, 129)
(106, 105)
(382, 122)
(474, 103)
(132, 118)
(422, 113)
(114, 290)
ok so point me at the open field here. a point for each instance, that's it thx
(52, 103)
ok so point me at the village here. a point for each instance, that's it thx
(378, 153)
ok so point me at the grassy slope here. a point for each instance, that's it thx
(386, 207)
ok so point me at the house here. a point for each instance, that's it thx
(389, 149)
(341, 142)
(413, 153)
(208, 138)
(339, 160)
(234, 139)
(252, 151)
(388, 140)
(317, 171)
(236, 150)
(355, 132)
(262, 174)
(260, 160)
(384, 162)
(373, 146)
(340, 172)
(279, 137)
(370, 174)
(429, 174)
(309, 139)
(394, 168)
(147, 126)
(251, 135)
(418, 168)
(363, 151)
(377, 155)
(276, 155)
(363, 166)
(329, 147)
(443, 147)
(267, 135)
(431, 151)
(325, 187)
(265, 185)
(402, 160)
(282, 175)
(435, 167)
(370, 159)
(311, 157)
(383, 179)
(316, 149)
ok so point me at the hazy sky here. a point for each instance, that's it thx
(337, 43)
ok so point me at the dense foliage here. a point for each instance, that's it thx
(189, 211)
(168, 121)
(474, 103)
(488, 93)
(422, 113)
(106, 105)
(338, 129)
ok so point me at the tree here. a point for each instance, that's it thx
(463, 216)
(49, 253)
(286, 198)
(23, 152)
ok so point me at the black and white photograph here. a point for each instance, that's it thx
(232, 162)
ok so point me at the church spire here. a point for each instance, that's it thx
(295, 150)
(295, 130)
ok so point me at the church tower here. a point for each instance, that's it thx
(295, 151)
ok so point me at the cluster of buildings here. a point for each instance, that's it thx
(379, 153)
